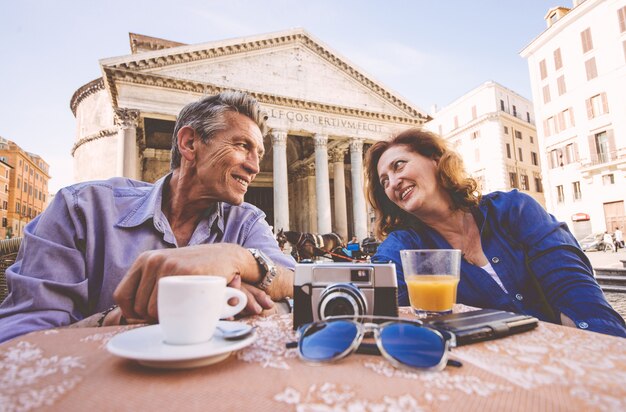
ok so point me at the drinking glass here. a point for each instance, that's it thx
(431, 277)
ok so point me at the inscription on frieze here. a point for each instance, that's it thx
(321, 120)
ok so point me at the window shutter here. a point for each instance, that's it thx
(546, 129)
(576, 154)
(589, 109)
(593, 151)
(611, 139)
(605, 103)
(571, 116)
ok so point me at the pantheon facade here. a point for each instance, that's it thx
(323, 112)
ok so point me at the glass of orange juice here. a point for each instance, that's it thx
(431, 277)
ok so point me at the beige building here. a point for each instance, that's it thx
(578, 76)
(323, 113)
(5, 174)
(493, 129)
(27, 187)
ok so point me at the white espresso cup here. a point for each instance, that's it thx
(191, 306)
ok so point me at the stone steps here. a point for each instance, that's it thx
(612, 279)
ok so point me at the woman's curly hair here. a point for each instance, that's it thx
(451, 175)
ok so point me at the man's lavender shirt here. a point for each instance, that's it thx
(74, 255)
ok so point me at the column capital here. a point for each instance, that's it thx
(126, 118)
(321, 140)
(279, 137)
(337, 154)
(356, 145)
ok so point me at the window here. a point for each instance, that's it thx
(508, 150)
(25, 186)
(560, 84)
(5, 205)
(473, 112)
(534, 159)
(546, 94)
(528, 117)
(513, 180)
(597, 105)
(585, 38)
(542, 69)
(6, 188)
(602, 147)
(518, 134)
(506, 130)
(608, 179)
(502, 101)
(17, 207)
(532, 139)
(590, 68)
(577, 195)
(514, 111)
(554, 159)
(475, 134)
(621, 19)
(538, 185)
(571, 153)
(524, 182)
(19, 183)
(519, 154)
(560, 194)
(558, 63)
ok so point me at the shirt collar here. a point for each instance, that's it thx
(150, 208)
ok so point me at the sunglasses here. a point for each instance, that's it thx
(404, 343)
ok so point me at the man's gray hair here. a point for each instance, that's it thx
(207, 117)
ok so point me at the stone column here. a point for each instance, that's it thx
(341, 215)
(358, 196)
(312, 197)
(127, 121)
(281, 183)
(322, 185)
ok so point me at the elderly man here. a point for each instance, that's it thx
(106, 242)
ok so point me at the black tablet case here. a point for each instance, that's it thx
(483, 324)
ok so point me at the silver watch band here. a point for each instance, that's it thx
(267, 265)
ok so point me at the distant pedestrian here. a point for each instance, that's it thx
(619, 238)
(607, 239)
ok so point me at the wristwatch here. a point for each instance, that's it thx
(268, 268)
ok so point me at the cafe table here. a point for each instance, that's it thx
(551, 368)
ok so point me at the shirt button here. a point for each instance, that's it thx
(519, 296)
(495, 259)
(583, 325)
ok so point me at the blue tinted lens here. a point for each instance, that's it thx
(412, 345)
(325, 341)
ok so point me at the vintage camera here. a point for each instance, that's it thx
(334, 289)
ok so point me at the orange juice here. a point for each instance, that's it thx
(432, 293)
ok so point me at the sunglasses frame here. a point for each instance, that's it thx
(371, 327)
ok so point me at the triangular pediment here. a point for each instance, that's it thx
(288, 64)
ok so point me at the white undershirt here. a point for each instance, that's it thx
(489, 269)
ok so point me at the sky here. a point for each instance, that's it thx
(429, 51)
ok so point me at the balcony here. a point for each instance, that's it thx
(599, 161)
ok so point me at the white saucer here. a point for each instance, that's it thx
(146, 346)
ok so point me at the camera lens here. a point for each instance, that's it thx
(342, 299)
(338, 306)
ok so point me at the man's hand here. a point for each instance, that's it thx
(136, 294)
(258, 300)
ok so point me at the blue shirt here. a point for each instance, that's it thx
(512, 226)
(74, 254)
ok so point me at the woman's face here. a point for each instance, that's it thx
(408, 178)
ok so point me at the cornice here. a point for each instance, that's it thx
(90, 138)
(114, 75)
(84, 92)
(186, 56)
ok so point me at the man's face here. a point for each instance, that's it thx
(229, 161)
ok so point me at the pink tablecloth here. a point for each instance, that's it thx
(550, 368)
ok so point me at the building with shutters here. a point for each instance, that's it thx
(578, 77)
